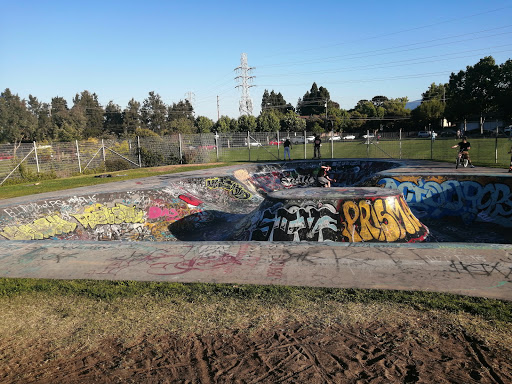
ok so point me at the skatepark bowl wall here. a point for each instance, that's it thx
(377, 201)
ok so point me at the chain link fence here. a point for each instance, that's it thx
(95, 155)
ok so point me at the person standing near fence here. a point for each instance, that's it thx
(316, 149)
(287, 145)
(510, 168)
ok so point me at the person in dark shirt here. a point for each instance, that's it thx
(323, 178)
(287, 145)
(317, 142)
(464, 147)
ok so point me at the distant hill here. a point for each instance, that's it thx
(413, 104)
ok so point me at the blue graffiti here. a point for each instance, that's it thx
(467, 199)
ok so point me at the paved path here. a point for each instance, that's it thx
(475, 270)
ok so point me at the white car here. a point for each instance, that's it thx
(253, 144)
(370, 136)
(334, 138)
(310, 138)
(349, 137)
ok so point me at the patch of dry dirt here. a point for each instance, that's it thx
(374, 353)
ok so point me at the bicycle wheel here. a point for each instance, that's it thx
(457, 162)
(465, 163)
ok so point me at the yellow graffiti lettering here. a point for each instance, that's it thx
(39, 229)
(351, 214)
(404, 215)
(382, 220)
(369, 231)
(104, 215)
(390, 228)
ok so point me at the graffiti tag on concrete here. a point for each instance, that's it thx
(39, 229)
(465, 198)
(235, 189)
(297, 223)
(380, 220)
(98, 214)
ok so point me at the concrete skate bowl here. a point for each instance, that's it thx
(374, 201)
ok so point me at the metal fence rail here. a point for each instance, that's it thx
(95, 155)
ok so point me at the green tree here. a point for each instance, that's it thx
(16, 122)
(314, 101)
(293, 123)
(504, 90)
(247, 123)
(154, 113)
(182, 125)
(473, 93)
(113, 121)
(131, 118)
(204, 124)
(224, 124)
(41, 111)
(180, 110)
(87, 104)
(268, 121)
(60, 118)
(274, 101)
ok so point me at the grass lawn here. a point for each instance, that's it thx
(483, 151)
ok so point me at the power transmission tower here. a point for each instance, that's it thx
(190, 96)
(244, 79)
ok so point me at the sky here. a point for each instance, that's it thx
(190, 49)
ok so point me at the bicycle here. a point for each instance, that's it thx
(462, 159)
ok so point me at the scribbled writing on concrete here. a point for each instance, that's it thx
(98, 214)
(234, 188)
(39, 229)
(467, 199)
(297, 223)
(386, 220)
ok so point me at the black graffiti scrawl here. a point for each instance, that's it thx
(297, 223)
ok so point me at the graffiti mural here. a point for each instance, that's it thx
(43, 228)
(297, 223)
(235, 189)
(383, 220)
(439, 197)
(99, 214)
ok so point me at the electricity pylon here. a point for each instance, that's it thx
(244, 79)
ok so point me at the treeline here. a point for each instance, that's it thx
(482, 91)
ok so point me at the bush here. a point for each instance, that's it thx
(117, 165)
(150, 158)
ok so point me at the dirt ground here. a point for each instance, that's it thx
(293, 353)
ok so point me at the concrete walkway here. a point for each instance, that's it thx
(469, 269)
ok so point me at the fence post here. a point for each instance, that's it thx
(431, 146)
(138, 151)
(249, 144)
(217, 144)
(400, 142)
(278, 145)
(37, 159)
(367, 143)
(181, 149)
(305, 142)
(103, 149)
(332, 144)
(78, 156)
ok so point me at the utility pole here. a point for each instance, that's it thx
(218, 110)
(244, 79)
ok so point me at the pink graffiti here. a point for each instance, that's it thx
(156, 212)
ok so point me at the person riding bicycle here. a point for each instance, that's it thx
(464, 147)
